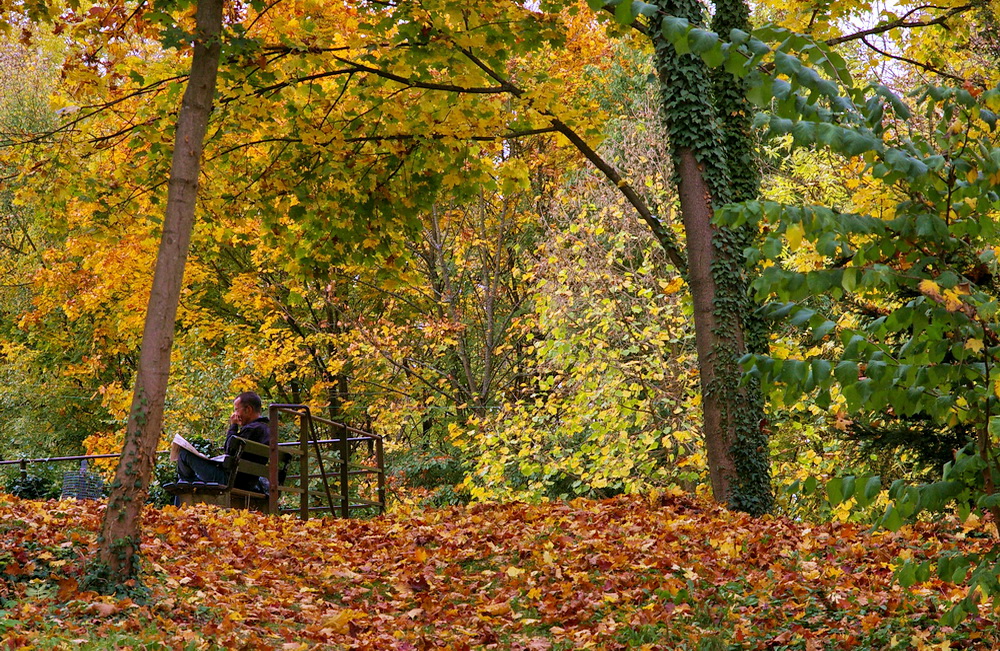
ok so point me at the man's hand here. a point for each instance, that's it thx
(234, 419)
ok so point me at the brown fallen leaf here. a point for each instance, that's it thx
(497, 609)
(101, 609)
(67, 589)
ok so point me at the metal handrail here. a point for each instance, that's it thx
(79, 457)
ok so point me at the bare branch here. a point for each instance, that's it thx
(923, 66)
(665, 237)
(903, 22)
(413, 83)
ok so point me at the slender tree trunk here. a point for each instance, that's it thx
(734, 432)
(119, 537)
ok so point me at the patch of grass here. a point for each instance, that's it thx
(142, 640)
(661, 635)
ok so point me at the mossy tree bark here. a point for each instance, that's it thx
(119, 536)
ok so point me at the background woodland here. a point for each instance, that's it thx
(466, 229)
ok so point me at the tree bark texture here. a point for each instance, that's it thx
(703, 154)
(119, 537)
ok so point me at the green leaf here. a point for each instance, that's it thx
(823, 330)
(847, 490)
(923, 572)
(954, 616)
(801, 316)
(946, 567)
(821, 369)
(794, 371)
(959, 572)
(934, 496)
(846, 372)
(864, 492)
(989, 501)
(715, 56)
(736, 65)
(645, 9)
(872, 487)
(850, 279)
(702, 40)
(675, 29)
(624, 12)
(760, 93)
(891, 520)
(907, 575)
(835, 491)
(738, 36)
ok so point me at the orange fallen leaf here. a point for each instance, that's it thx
(498, 609)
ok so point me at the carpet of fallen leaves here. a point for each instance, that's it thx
(658, 573)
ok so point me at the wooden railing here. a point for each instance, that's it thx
(349, 438)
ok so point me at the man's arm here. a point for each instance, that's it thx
(234, 428)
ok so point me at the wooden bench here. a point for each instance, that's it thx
(243, 458)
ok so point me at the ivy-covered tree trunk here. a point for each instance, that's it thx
(708, 127)
(119, 537)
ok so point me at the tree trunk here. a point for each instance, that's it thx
(119, 537)
(735, 437)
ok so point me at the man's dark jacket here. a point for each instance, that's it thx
(258, 431)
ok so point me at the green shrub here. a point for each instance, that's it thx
(34, 488)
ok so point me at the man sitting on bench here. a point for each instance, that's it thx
(246, 422)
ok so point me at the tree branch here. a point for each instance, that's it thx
(903, 22)
(413, 83)
(663, 236)
(913, 62)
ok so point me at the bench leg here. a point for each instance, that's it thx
(217, 499)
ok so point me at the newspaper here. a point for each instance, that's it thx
(180, 443)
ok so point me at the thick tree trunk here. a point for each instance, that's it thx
(735, 438)
(119, 537)
(696, 211)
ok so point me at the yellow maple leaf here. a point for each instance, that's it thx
(953, 300)
(975, 345)
(794, 234)
(673, 286)
(930, 288)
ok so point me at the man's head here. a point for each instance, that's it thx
(247, 407)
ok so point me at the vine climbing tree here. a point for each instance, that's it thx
(708, 124)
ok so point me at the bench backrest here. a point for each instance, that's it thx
(260, 451)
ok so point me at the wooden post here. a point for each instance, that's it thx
(380, 462)
(272, 466)
(24, 469)
(305, 422)
(345, 498)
